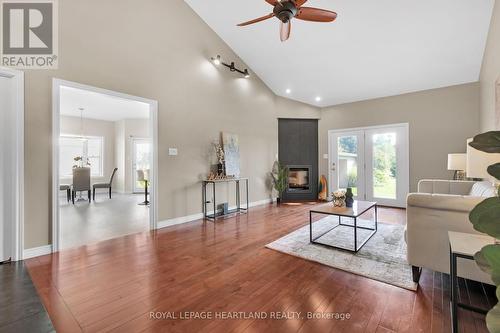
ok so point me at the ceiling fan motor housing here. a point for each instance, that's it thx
(285, 10)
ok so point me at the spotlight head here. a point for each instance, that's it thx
(288, 91)
(217, 61)
(231, 67)
(318, 99)
(247, 74)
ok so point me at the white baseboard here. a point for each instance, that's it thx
(194, 217)
(37, 251)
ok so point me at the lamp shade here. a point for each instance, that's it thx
(457, 162)
(478, 162)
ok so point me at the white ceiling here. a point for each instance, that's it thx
(373, 49)
(100, 106)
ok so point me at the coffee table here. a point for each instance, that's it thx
(359, 208)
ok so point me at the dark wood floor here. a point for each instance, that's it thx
(20, 307)
(201, 266)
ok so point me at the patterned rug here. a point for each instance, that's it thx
(382, 258)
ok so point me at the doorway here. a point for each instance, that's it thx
(92, 190)
(11, 164)
(373, 161)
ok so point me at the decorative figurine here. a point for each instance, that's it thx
(338, 198)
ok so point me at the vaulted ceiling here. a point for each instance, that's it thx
(373, 49)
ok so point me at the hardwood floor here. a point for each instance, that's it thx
(114, 285)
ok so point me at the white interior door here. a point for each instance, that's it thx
(141, 160)
(11, 167)
(373, 161)
(347, 159)
(387, 175)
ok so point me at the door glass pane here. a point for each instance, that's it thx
(384, 165)
(348, 162)
(142, 157)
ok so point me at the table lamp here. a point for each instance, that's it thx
(478, 163)
(457, 163)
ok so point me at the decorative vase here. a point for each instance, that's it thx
(349, 198)
(278, 201)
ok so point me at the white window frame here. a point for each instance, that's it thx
(85, 151)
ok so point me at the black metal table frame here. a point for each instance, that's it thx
(355, 226)
(239, 209)
(454, 304)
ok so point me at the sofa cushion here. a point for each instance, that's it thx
(482, 189)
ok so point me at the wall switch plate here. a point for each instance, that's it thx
(325, 156)
(172, 151)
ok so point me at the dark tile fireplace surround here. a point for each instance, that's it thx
(298, 150)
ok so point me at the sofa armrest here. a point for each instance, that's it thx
(450, 202)
(458, 187)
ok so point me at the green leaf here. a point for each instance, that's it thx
(494, 170)
(488, 142)
(482, 262)
(486, 217)
(491, 255)
(493, 317)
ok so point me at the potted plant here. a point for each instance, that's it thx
(280, 179)
(486, 219)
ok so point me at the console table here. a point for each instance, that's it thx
(239, 209)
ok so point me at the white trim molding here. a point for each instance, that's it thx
(153, 123)
(18, 152)
(199, 216)
(37, 251)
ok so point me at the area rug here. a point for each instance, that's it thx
(382, 258)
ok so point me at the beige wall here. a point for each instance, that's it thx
(94, 127)
(490, 74)
(157, 50)
(440, 121)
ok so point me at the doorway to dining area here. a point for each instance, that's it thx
(98, 192)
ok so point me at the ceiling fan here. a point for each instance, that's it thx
(285, 10)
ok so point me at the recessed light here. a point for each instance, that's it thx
(288, 91)
(318, 99)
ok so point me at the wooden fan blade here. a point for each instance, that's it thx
(256, 20)
(272, 2)
(315, 14)
(299, 3)
(285, 29)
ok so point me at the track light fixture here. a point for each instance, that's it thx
(218, 61)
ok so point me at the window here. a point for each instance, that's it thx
(89, 148)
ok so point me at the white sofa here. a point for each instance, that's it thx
(438, 207)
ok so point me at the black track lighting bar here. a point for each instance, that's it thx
(218, 61)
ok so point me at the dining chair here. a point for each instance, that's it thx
(81, 182)
(104, 185)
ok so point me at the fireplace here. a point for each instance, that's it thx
(299, 179)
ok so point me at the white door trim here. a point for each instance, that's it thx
(18, 147)
(405, 157)
(153, 127)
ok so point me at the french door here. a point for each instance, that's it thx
(373, 161)
(141, 160)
